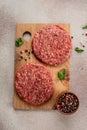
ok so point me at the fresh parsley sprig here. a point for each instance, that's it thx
(79, 50)
(19, 42)
(62, 74)
(84, 27)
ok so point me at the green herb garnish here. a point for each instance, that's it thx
(62, 74)
(85, 27)
(77, 49)
(19, 42)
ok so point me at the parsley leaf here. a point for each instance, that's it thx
(85, 27)
(61, 75)
(19, 42)
(77, 49)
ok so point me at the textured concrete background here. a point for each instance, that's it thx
(42, 11)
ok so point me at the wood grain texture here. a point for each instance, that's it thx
(60, 86)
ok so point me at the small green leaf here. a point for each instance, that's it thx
(85, 27)
(77, 49)
(61, 75)
(19, 42)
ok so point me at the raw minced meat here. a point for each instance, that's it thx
(34, 83)
(52, 45)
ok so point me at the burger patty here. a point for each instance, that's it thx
(52, 45)
(34, 83)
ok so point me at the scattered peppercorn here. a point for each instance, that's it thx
(71, 37)
(25, 59)
(21, 52)
(86, 34)
(27, 56)
(29, 52)
(21, 57)
(32, 51)
(26, 50)
(82, 44)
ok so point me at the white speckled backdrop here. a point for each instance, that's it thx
(42, 11)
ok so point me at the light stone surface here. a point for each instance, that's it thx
(42, 11)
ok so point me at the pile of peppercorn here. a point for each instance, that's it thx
(67, 103)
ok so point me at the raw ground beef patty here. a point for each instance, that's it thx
(52, 45)
(34, 83)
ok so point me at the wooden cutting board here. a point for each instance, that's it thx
(60, 86)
